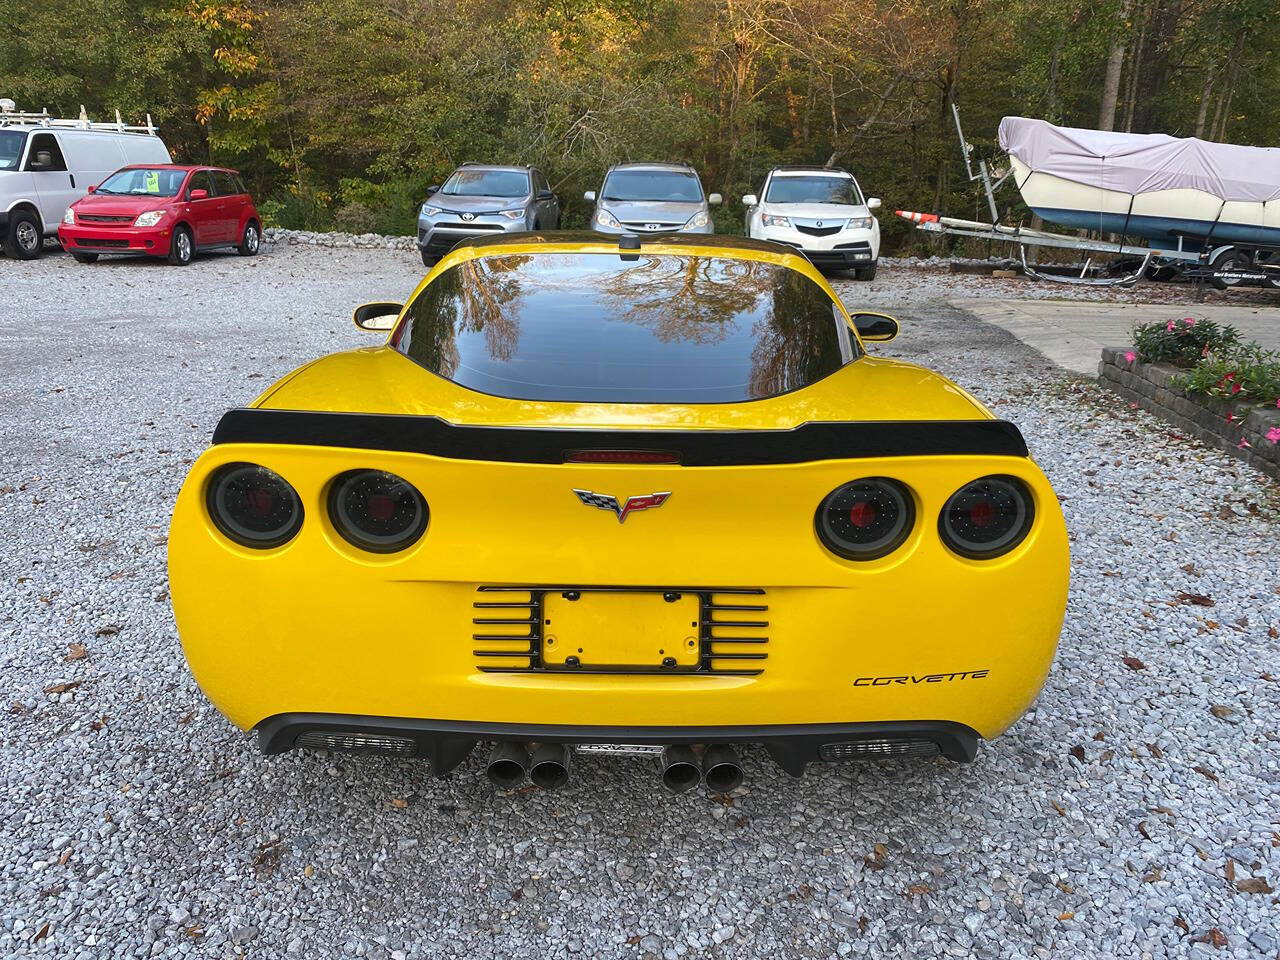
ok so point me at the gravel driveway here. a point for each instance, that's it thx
(1133, 813)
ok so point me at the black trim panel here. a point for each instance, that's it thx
(844, 440)
(446, 743)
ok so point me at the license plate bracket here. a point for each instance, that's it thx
(599, 629)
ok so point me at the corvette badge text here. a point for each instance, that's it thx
(921, 678)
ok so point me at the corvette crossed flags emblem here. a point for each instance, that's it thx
(604, 501)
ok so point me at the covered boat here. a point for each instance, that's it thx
(1175, 192)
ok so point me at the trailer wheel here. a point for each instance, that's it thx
(1229, 259)
(1270, 259)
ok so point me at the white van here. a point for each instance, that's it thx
(46, 164)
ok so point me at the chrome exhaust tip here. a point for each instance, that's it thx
(721, 769)
(508, 765)
(680, 770)
(549, 768)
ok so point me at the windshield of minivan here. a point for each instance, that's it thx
(670, 186)
(816, 189)
(144, 182)
(487, 183)
(11, 142)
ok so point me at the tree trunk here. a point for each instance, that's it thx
(1115, 63)
(1203, 113)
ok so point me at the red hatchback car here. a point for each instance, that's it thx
(165, 210)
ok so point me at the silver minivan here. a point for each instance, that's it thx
(652, 198)
(47, 164)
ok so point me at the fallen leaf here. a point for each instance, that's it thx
(1230, 871)
(308, 871)
(400, 803)
(1057, 806)
(196, 931)
(1155, 751)
(1273, 633)
(66, 855)
(1133, 663)
(187, 717)
(1107, 755)
(1077, 752)
(62, 687)
(1153, 876)
(1065, 916)
(1221, 711)
(1142, 829)
(917, 889)
(880, 858)
(1207, 773)
(41, 933)
(77, 651)
(1195, 599)
(110, 630)
(633, 940)
(1182, 925)
(1254, 885)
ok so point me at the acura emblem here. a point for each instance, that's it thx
(604, 501)
(468, 216)
(818, 223)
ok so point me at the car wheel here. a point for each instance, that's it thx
(79, 257)
(250, 241)
(865, 273)
(25, 240)
(1229, 259)
(429, 259)
(181, 248)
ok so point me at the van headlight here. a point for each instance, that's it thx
(698, 220)
(148, 219)
(69, 217)
(607, 219)
(859, 223)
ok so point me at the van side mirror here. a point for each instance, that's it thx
(377, 317)
(873, 203)
(750, 200)
(875, 327)
(198, 194)
(589, 196)
(715, 199)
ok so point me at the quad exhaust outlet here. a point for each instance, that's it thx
(508, 765)
(721, 769)
(549, 768)
(680, 770)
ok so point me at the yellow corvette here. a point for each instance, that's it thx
(603, 495)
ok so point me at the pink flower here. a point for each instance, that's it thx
(1131, 356)
(1205, 351)
(1169, 326)
(1231, 418)
(1278, 404)
(1243, 444)
(1235, 388)
(1191, 321)
(1273, 436)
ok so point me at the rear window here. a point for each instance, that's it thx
(659, 328)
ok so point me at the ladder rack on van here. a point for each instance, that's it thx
(9, 117)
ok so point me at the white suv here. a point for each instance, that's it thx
(822, 211)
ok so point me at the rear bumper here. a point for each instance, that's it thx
(445, 743)
(149, 240)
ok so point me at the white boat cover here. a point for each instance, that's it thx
(1135, 163)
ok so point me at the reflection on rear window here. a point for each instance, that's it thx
(662, 328)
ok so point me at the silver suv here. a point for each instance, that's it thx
(482, 199)
(652, 198)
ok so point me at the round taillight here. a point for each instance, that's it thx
(253, 506)
(866, 519)
(987, 517)
(377, 511)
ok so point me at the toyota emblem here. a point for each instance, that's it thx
(468, 216)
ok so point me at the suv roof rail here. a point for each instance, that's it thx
(11, 117)
(814, 167)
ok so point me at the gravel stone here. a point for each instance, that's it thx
(137, 822)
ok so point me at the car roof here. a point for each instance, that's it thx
(642, 165)
(513, 167)
(177, 166)
(829, 171)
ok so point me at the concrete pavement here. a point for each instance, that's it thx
(1073, 333)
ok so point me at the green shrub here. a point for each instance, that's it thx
(1247, 374)
(354, 218)
(1183, 342)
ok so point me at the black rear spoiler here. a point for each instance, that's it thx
(837, 440)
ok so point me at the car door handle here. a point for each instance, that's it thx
(73, 178)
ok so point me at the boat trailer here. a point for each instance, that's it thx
(1225, 266)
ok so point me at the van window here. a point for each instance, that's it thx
(42, 143)
(11, 144)
(139, 148)
(225, 183)
(200, 181)
(93, 153)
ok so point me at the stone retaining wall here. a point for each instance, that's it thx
(1156, 387)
